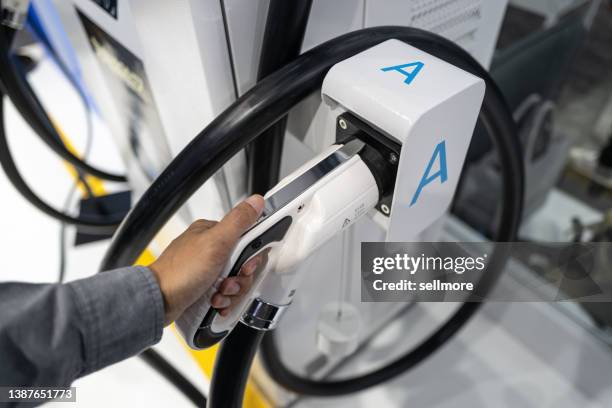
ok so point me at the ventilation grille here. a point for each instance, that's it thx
(457, 20)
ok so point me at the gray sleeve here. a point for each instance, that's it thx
(52, 334)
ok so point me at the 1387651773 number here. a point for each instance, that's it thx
(37, 394)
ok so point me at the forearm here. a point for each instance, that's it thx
(53, 334)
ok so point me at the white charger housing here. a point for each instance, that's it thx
(427, 105)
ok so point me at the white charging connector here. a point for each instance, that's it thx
(404, 97)
(303, 212)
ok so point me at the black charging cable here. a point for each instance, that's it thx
(90, 224)
(28, 105)
(16, 87)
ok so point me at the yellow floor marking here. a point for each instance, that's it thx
(96, 184)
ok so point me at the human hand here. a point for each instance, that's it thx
(191, 264)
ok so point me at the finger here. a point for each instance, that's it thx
(246, 283)
(257, 263)
(230, 287)
(234, 301)
(250, 266)
(242, 217)
(236, 286)
(231, 302)
(219, 301)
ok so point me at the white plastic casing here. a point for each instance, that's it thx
(332, 204)
(440, 103)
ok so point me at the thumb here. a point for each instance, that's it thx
(242, 217)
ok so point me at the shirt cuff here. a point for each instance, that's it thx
(121, 313)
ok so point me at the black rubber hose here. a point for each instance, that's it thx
(282, 42)
(94, 225)
(248, 117)
(24, 99)
(157, 362)
(234, 360)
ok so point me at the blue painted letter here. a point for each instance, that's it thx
(440, 155)
(409, 75)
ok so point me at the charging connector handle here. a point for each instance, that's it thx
(305, 210)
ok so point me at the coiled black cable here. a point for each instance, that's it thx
(95, 225)
(497, 119)
(24, 99)
(260, 108)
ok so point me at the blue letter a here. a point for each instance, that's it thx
(438, 154)
(409, 75)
